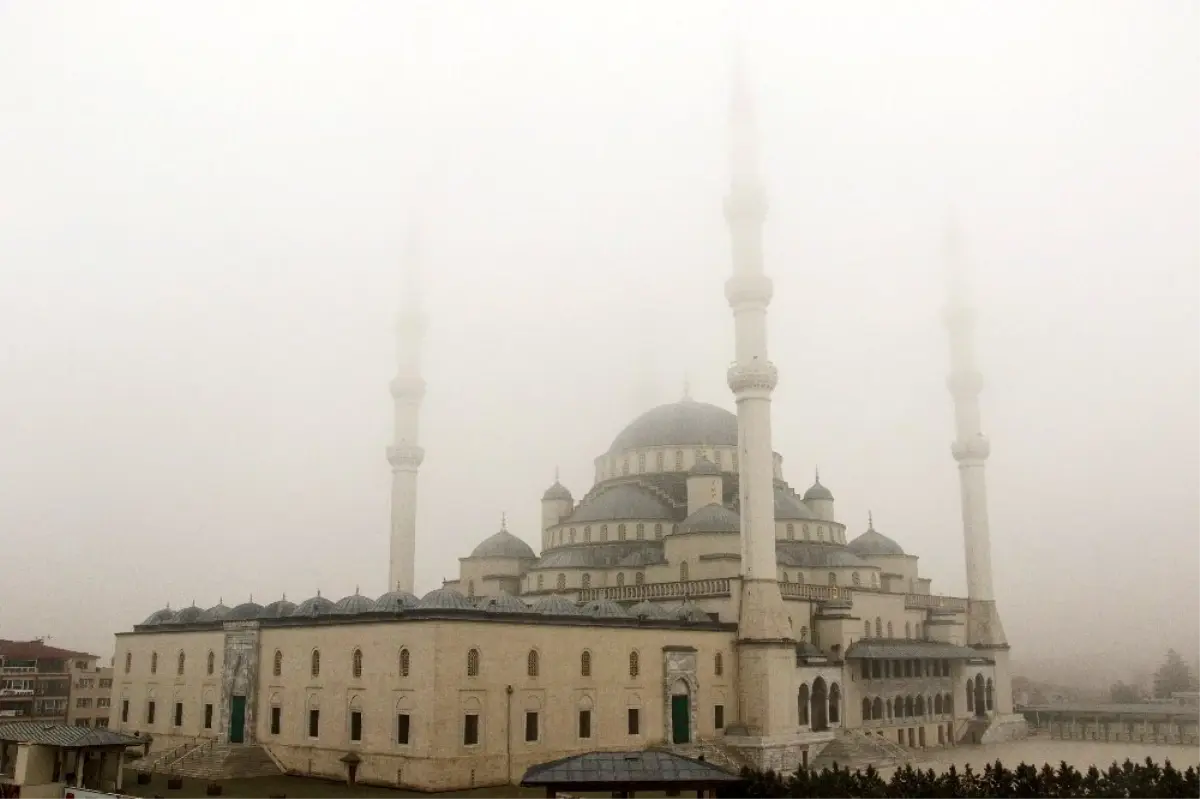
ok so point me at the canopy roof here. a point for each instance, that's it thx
(646, 770)
(64, 735)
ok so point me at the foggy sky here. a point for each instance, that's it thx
(204, 207)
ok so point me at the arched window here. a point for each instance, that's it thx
(791, 532)
(356, 663)
(621, 532)
(878, 627)
(470, 588)
(316, 663)
(154, 663)
(799, 578)
(718, 664)
(866, 629)
(658, 530)
(866, 709)
(585, 664)
(179, 665)
(970, 699)
(405, 662)
(587, 580)
(920, 706)
(212, 663)
(472, 662)
(877, 708)
(641, 531)
(641, 461)
(908, 706)
(717, 457)
(633, 663)
(277, 665)
(889, 629)
(560, 581)
(620, 578)
(803, 633)
(802, 705)
(683, 572)
(854, 578)
(604, 532)
(785, 577)
(917, 631)
(899, 707)
(658, 460)
(587, 534)
(832, 578)
(835, 703)
(947, 704)
(639, 578)
(540, 582)
(678, 460)
(129, 662)
(988, 694)
(937, 705)
(531, 663)
(820, 533)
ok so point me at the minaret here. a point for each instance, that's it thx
(405, 456)
(766, 657)
(971, 450)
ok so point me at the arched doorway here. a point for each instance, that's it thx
(989, 691)
(835, 704)
(802, 706)
(681, 713)
(819, 705)
(980, 707)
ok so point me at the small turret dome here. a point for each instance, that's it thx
(604, 609)
(188, 615)
(704, 467)
(396, 601)
(557, 491)
(217, 612)
(353, 605)
(445, 599)
(503, 545)
(712, 518)
(874, 543)
(160, 616)
(279, 609)
(316, 606)
(818, 491)
(246, 611)
(555, 605)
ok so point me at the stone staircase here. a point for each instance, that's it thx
(214, 760)
(713, 752)
(855, 749)
(971, 731)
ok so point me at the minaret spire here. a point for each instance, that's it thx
(408, 389)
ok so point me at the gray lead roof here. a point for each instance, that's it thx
(625, 767)
(681, 424)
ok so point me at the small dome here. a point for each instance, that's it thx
(649, 610)
(246, 611)
(505, 603)
(279, 609)
(704, 467)
(445, 599)
(216, 613)
(188, 615)
(818, 492)
(689, 611)
(353, 605)
(555, 605)
(604, 609)
(396, 601)
(712, 518)
(874, 543)
(160, 616)
(684, 423)
(557, 491)
(503, 545)
(316, 606)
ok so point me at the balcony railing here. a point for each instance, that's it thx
(926, 601)
(7, 692)
(17, 669)
(817, 592)
(677, 590)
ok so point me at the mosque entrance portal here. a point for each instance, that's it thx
(681, 714)
(237, 719)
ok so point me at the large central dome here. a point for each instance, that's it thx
(683, 423)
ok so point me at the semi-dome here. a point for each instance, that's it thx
(187, 615)
(279, 609)
(604, 609)
(503, 545)
(712, 518)
(445, 599)
(505, 603)
(557, 491)
(685, 423)
(874, 543)
(217, 612)
(396, 601)
(788, 507)
(704, 467)
(815, 555)
(648, 610)
(315, 606)
(354, 604)
(621, 501)
(160, 616)
(246, 611)
(555, 605)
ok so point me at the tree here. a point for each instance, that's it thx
(1173, 675)
(1123, 694)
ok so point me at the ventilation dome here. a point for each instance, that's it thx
(445, 599)
(396, 601)
(316, 606)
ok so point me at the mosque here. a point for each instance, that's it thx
(692, 597)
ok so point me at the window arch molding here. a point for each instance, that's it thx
(181, 663)
(315, 663)
(533, 663)
(473, 662)
(404, 661)
(277, 664)
(585, 663)
(210, 662)
(356, 662)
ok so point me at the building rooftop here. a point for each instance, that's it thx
(647, 769)
(33, 650)
(64, 735)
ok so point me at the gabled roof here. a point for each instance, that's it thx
(650, 767)
(64, 735)
(32, 650)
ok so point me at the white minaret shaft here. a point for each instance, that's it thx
(752, 377)
(970, 447)
(405, 456)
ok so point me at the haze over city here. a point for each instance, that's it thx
(206, 209)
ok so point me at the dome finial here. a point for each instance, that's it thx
(252, 597)
(504, 519)
(817, 474)
(318, 592)
(687, 387)
(284, 598)
(870, 521)
(556, 477)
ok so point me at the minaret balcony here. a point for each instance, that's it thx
(408, 387)
(757, 375)
(965, 383)
(405, 456)
(749, 290)
(958, 318)
(973, 449)
(746, 202)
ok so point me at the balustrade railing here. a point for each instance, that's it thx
(925, 601)
(676, 590)
(817, 592)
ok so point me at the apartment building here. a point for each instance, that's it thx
(35, 680)
(91, 695)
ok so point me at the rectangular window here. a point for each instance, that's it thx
(150, 712)
(719, 717)
(179, 714)
(101, 722)
(106, 683)
(208, 710)
(276, 717)
(634, 721)
(470, 729)
(531, 726)
(103, 701)
(402, 728)
(314, 723)
(585, 724)
(124, 711)
(355, 725)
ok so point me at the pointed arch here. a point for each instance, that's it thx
(531, 663)
(718, 664)
(819, 710)
(866, 708)
(472, 662)
(835, 704)
(802, 705)
(181, 662)
(316, 663)
(356, 663)
(585, 664)
(277, 664)
(877, 708)
(634, 664)
(405, 662)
